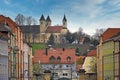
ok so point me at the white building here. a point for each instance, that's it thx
(60, 62)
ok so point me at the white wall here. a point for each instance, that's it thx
(3, 60)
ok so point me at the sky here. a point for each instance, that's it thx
(86, 14)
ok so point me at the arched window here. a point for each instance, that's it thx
(68, 58)
(52, 58)
(58, 59)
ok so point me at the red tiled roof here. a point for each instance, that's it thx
(109, 33)
(39, 55)
(54, 29)
(92, 53)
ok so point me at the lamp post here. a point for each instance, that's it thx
(71, 73)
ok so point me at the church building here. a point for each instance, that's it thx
(41, 33)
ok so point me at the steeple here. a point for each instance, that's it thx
(42, 18)
(64, 21)
(64, 18)
(48, 19)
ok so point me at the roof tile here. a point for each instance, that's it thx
(54, 29)
(40, 55)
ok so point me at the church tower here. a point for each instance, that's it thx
(48, 21)
(64, 21)
(42, 24)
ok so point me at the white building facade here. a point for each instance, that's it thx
(3, 59)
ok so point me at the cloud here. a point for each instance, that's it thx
(88, 14)
(89, 8)
(7, 2)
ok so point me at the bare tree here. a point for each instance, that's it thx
(98, 33)
(20, 19)
(34, 22)
(29, 20)
(79, 34)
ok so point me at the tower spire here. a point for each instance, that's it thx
(64, 21)
(64, 18)
(48, 19)
(42, 18)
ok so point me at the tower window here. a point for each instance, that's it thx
(41, 22)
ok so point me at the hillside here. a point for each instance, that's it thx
(82, 49)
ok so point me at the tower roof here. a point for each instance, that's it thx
(42, 18)
(48, 19)
(64, 18)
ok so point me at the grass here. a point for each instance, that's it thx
(38, 47)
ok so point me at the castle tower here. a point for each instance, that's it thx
(48, 21)
(64, 21)
(42, 24)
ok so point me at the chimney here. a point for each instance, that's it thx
(63, 49)
(46, 51)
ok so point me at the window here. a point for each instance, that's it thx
(65, 74)
(41, 22)
(58, 59)
(67, 65)
(68, 58)
(52, 58)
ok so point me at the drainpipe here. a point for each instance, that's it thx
(28, 67)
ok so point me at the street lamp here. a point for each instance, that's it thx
(71, 73)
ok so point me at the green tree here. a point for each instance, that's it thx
(36, 67)
(51, 40)
(69, 37)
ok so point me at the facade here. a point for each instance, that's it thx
(60, 62)
(111, 58)
(15, 49)
(27, 61)
(4, 29)
(117, 58)
(90, 63)
(41, 33)
(106, 61)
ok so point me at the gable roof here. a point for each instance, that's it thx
(40, 55)
(109, 33)
(54, 29)
(30, 29)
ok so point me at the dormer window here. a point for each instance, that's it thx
(68, 58)
(58, 59)
(52, 58)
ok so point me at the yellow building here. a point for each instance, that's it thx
(99, 61)
(111, 58)
(90, 62)
(105, 58)
(41, 33)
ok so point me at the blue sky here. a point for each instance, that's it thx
(87, 14)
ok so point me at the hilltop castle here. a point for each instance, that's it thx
(41, 33)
